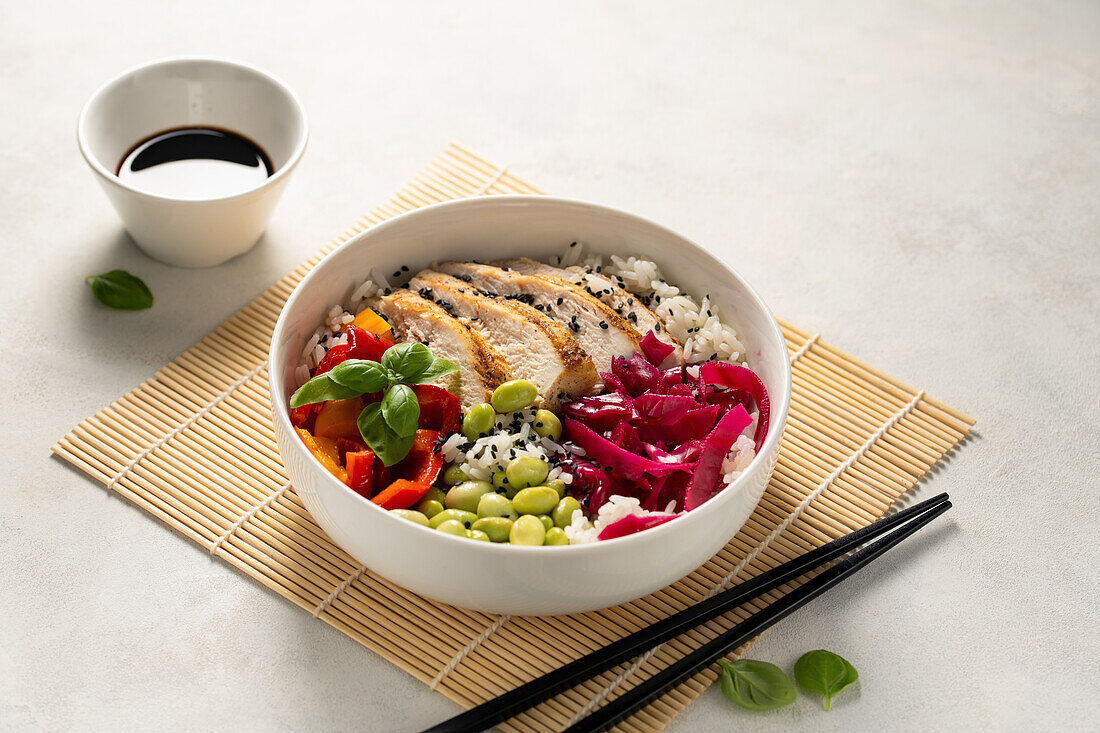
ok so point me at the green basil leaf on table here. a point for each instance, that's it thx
(321, 389)
(120, 290)
(824, 672)
(387, 445)
(400, 409)
(756, 685)
(407, 360)
(439, 368)
(362, 375)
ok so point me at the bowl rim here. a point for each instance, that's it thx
(778, 418)
(106, 175)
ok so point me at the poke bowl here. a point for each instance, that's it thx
(527, 404)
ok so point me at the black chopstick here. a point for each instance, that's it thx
(532, 693)
(638, 697)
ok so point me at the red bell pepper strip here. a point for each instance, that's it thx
(423, 463)
(299, 416)
(336, 355)
(360, 466)
(364, 345)
(439, 409)
(401, 494)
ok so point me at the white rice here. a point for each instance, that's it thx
(483, 457)
(581, 531)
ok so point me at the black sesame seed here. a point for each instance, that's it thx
(397, 273)
(603, 325)
(387, 291)
(561, 300)
(573, 245)
(404, 268)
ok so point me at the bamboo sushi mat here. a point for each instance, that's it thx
(194, 447)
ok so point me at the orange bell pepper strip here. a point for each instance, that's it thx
(325, 451)
(401, 494)
(337, 419)
(371, 322)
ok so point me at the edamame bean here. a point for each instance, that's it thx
(498, 528)
(547, 522)
(466, 519)
(547, 425)
(495, 505)
(413, 516)
(514, 395)
(433, 493)
(479, 420)
(429, 507)
(535, 500)
(563, 512)
(527, 530)
(452, 526)
(500, 483)
(556, 536)
(477, 534)
(466, 495)
(526, 471)
(557, 485)
(454, 475)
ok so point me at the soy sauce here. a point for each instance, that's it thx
(195, 163)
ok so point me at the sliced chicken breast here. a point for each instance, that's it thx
(536, 348)
(604, 288)
(600, 331)
(480, 368)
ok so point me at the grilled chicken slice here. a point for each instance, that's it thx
(480, 368)
(536, 348)
(600, 331)
(603, 287)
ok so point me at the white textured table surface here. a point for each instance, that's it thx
(917, 181)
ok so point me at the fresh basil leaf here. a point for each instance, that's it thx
(756, 685)
(401, 410)
(824, 672)
(120, 290)
(439, 368)
(407, 360)
(362, 375)
(321, 389)
(380, 437)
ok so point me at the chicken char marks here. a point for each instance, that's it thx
(600, 331)
(535, 347)
(605, 289)
(480, 368)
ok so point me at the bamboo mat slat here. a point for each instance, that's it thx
(194, 447)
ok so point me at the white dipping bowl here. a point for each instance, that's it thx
(501, 578)
(193, 92)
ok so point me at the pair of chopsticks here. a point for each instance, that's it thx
(886, 532)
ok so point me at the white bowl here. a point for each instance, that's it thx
(501, 578)
(193, 92)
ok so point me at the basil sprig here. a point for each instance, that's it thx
(389, 426)
(756, 685)
(120, 290)
(825, 673)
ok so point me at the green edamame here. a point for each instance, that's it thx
(535, 500)
(527, 530)
(452, 526)
(454, 475)
(526, 471)
(467, 494)
(547, 522)
(557, 485)
(479, 420)
(476, 534)
(495, 505)
(429, 507)
(563, 512)
(547, 425)
(500, 483)
(556, 536)
(433, 494)
(514, 395)
(497, 528)
(413, 516)
(466, 519)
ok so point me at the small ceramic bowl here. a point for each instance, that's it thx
(502, 578)
(193, 92)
